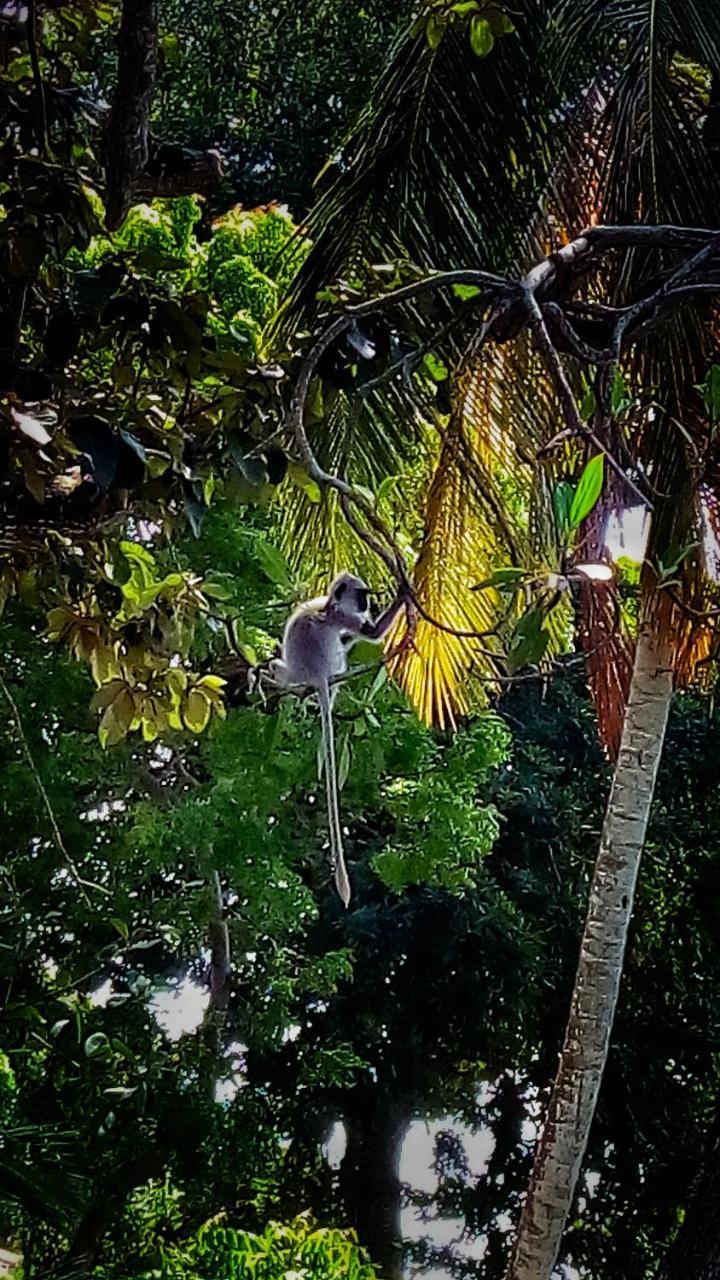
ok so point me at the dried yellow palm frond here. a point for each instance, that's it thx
(457, 551)
(470, 529)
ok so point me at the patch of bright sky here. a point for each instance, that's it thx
(626, 536)
(180, 1010)
(416, 1169)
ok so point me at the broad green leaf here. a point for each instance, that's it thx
(588, 404)
(620, 398)
(215, 683)
(386, 487)
(466, 290)
(378, 683)
(149, 730)
(117, 719)
(273, 563)
(208, 485)
(481, 37)
(673, 558)
(434, 30)
(588, 490)
(106, 694)
(137, 553)
(95, 1043)
(530, 640)
(500, 22)
(501, 578)
(196, 711)
(300, 477)
(216, 591)
(711, 392)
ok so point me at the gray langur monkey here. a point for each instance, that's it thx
(315, 646)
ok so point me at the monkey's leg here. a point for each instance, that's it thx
(342, 883)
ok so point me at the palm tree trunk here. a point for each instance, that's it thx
(562, 1144)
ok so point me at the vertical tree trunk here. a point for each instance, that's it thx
(695, 1253)
(216, 1014)
(126, 131)
(562, 1144)
(370, 1180)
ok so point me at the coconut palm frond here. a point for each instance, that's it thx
(439, 171)
(602, 32)
(443, 164)
(456, 552)
(475, 519)
(649, 162)
(35, 1171)
(442, 157)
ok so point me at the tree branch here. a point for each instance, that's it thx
(220, 963)
(32, 42)
(83, 885)
(544, 290)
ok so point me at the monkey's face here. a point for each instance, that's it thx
(349, 596)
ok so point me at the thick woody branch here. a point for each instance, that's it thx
(575, 424)
(380, 541)
(543, 295)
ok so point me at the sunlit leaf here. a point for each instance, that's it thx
(481, 36)
(196, 710)
(588, 490)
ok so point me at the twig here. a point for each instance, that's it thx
(554, 366)
(408, 363)
(674, 283)
(593, 355)
(518, 303)
(456, 631)
(56, 833)
(388, 552)
(37, 76)
(698, 615)
(486, 280)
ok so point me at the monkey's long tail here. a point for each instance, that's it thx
(337, 856)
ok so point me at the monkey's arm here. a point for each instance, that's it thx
(376, 629)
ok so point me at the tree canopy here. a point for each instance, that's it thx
(483, 337)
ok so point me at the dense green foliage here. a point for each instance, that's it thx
(331, 1016)
(275, 87)
(124, 903)
(145, 492)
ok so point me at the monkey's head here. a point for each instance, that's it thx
(350, 596)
